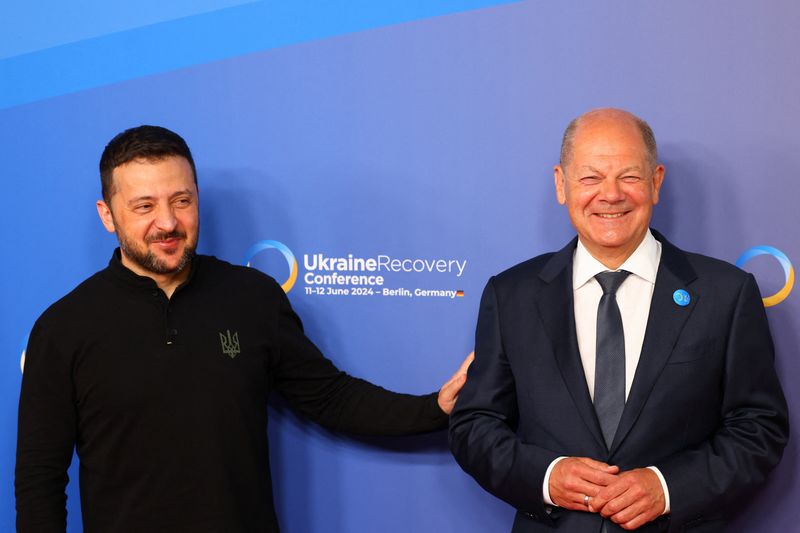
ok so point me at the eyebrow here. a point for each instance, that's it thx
(623, 171)
(151, 198)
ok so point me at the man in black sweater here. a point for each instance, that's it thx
(158, 370)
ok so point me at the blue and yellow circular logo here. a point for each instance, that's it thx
(681, 297)
(788, 271)
(260, 246)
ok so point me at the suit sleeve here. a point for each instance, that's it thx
(483, 424)
(315, 387)
(754, 424)
(45, 437)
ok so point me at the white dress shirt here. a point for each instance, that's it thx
(633, 298)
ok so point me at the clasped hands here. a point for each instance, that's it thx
(629, 499)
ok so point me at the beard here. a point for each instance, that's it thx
(152, 263)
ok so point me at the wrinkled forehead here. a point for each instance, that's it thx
(605, 139)
(157, 175)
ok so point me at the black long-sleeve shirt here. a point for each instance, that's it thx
(165, 401)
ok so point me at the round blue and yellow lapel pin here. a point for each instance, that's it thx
(681, 297)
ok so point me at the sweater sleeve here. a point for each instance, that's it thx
(338, 401)
(46, 435)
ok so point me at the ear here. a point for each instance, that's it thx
(658, 179)
(104, 211)
(559, 177)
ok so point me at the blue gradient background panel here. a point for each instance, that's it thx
(427, 132)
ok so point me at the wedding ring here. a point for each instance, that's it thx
(586, 500)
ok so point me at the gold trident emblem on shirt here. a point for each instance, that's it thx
(230, 343)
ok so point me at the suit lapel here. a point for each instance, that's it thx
(556, 309)
(664, 325)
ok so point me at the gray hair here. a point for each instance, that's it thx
(648, 137)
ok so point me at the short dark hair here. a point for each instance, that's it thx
(152, 143)
(648, 137)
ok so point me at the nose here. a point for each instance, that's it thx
(165, 218)
(611, 190)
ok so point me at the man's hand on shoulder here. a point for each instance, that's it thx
(448, 394)
(574, 478)
(633, 499)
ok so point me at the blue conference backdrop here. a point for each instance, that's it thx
(381, 160)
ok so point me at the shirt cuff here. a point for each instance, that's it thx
(546, 482)
(664, 487)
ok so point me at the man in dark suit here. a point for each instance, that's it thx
(619, 382)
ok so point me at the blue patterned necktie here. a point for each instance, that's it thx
(609, 372)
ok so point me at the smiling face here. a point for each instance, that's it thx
(609, 185)
(154, 213)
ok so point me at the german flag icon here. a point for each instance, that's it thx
(460, 294)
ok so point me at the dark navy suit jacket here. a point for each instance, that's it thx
(705, 407)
